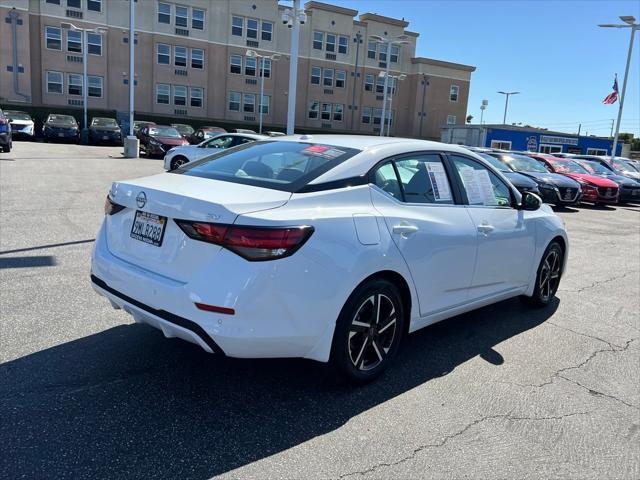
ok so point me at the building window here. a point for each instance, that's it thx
(372, 50)
(180, 56)
(235, 62)
(366, 115)
(267, 31)
(163, 93)
(74, 86)
(330, 45)
(395, 53)
(391, 86)
(314, 108)
(54, 82)
(237, 25)
(451, 119)
(77, 4)
(196, 97)
(164, 54)
(179, 95)
(341, 78)
(265, 105)
(182, 16)
(501, 144)
(197, 19)
(453, 93)
(164, 13)
(318, 39)
(315, 75)
(343, 44)
(54, 2)
(597, 151)
(379, 84)
(248, 102)
(94, 86)
(197, 58)
(266, 63)
(547, 149)
(94, 43)
(53, 37)
(94, 5)
(327, 76)
(325, 111)
(368, 82)
(74, 41)
(338, 109)
(252, 28)
(382, 53)
(250, 65)
(377, 116)
(234, 101)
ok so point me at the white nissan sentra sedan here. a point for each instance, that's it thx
(324, 247)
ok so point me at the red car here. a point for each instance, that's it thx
(156, 140)
(596, 190)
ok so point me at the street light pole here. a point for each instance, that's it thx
(261, 62)
(630, 22)
(85, 85)
(293, 18)
(386, 82)
(132, 78)
(425, 82)
(358, 41)
(506, 104)
(261, 93)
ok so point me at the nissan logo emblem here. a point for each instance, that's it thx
(141, 199)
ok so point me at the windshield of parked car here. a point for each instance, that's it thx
(104, 122)
(593, 167)
(624, 166)
(17, 115)
(567, 166)
(164, 132)
(495, 162)
(65, 119)
(183, 129)
(286, 166)
(522, 163)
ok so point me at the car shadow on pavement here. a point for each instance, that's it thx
(128, 403)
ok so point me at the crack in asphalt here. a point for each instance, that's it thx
(447, 438)
(600, 394)
(612, 345)
(599, 282)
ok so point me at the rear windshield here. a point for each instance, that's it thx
(286, 166)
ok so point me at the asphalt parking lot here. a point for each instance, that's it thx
(503, 392)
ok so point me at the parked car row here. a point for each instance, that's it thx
(565, 179)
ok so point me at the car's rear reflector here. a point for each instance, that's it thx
(251, 243)
(110, 207)
(216, 309)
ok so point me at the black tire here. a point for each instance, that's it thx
(6, 148)
(548, 276)
(178, 162)
(368, 332)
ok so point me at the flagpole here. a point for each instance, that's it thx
(624, 89)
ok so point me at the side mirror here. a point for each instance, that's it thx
(530, 202)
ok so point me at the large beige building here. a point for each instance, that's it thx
(192, 63)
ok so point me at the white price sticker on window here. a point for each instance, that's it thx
(439, 182)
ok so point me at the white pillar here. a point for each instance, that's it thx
(293, 69)
(386, 82)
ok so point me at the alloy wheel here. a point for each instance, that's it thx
(372, 332)
(549, 275)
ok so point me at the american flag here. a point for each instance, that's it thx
(613, 96)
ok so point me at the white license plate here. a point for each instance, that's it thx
(105, 137)
(567, 196)
(148, 228)
(61, 134)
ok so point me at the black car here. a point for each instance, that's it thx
(138, 124)
(104, 130)
(205, 133)
(554, 188)
(185, 130)
(61, 127)
(629, 189)
(520, 181)
(5, 133)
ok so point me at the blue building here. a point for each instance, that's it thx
(511, 137)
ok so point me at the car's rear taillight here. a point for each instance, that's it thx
(110, 207)
(251, 243)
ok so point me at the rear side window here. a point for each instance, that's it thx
(415, 179)
(279, 165)
(481, 186)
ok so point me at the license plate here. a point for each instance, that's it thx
(148, 228)
(105, 137)
(61, 134)
(567, 196)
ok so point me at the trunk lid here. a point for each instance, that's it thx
(176, 196)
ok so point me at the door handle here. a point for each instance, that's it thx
(405, 229)
(486, 228)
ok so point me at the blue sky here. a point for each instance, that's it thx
(551, 51)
